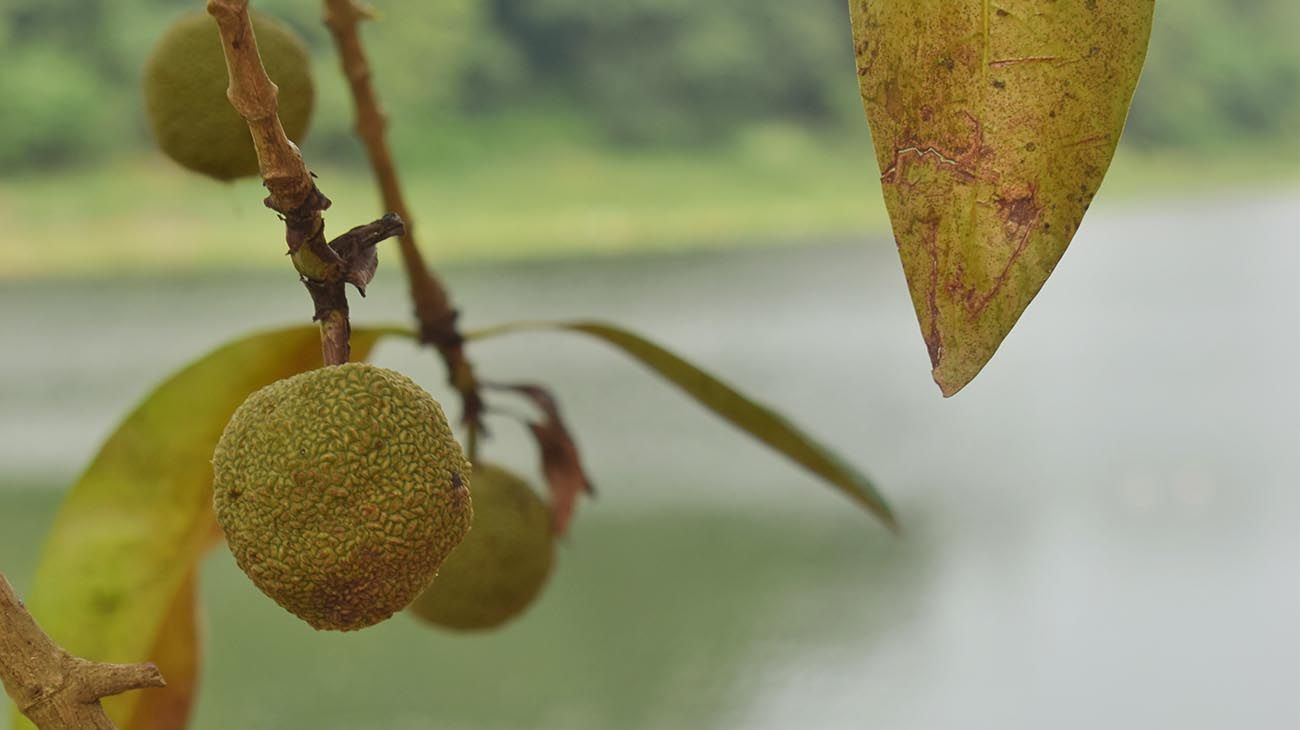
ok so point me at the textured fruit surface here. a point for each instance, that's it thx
(185, 94)
(500, 568)
(341, 491)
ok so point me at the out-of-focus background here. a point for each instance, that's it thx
(1101, 531)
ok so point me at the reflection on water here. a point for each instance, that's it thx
(655, 620)
(1101, 530)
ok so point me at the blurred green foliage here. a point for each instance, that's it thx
(469, 76)
(682, 71)
(1219, 73)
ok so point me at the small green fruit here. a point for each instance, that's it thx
(341, 491)
(185, 94)
(501, 567)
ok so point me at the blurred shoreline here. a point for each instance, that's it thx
(755, 315)
(142, 216)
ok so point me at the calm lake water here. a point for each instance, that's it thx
(1102, 531)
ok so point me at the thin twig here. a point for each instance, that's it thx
(54, 689)
(433, 309)
(292, 189)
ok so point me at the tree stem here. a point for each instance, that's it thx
(292, 190)
(54, 689)
(432, 305)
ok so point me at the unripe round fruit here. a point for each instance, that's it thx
(341, 490)
(185, 85)
(501, 566)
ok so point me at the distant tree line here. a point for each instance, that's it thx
(614, 72)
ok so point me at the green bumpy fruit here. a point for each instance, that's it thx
(501, 567)
(185, 94)
(341, 491)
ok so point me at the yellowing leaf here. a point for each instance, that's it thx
(177, 652)
(116, 577)
(993, 123)
(757, 420)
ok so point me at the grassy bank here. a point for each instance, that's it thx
(147, 216)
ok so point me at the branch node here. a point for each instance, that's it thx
(291, 187)
(55, 690)
(95, 680)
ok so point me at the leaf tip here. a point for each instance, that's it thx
(948, 389)
(955, 373)
(948, 385)
(895, 528)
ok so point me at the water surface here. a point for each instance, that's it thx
(1102, 530)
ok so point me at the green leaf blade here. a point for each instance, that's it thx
(751, 417)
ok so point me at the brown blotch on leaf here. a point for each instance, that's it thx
(1021, 211)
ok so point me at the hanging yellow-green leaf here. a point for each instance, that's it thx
(993, 123)
(116, 577)
(759, 421)
(176, 651)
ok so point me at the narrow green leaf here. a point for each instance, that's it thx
(993, 124)
(759, 421)
(115, 580)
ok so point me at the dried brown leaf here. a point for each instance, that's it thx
(561, 462)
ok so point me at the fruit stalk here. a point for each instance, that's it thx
(292, 189)
(54, 689)
(432, 304)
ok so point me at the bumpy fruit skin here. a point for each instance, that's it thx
(341, 491)
(185, 94)
(501, 566)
